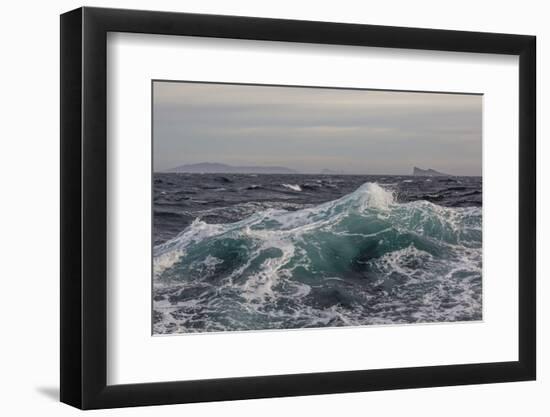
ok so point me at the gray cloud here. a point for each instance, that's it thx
(308, 129)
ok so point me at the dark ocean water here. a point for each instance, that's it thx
(250, 252)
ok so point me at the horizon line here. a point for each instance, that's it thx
(312, 173)
(297, 171)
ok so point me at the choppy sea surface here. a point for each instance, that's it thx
(253, 252)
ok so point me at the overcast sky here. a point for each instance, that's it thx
(310, 129)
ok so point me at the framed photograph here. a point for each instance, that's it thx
(256, 208)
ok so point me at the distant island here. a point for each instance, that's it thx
(217, 168)
(428, 173)
(327, 171)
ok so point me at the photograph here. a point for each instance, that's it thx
(292, 207)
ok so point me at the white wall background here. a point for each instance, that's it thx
(29, 225)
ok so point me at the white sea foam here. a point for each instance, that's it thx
(166, 260)
(293, 187)
(169, 253)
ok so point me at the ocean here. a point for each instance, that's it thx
(267, 251)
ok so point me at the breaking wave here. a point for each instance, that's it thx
(361, 259)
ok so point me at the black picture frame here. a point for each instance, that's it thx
(84, 207)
